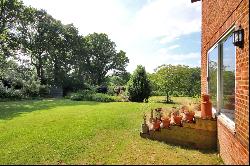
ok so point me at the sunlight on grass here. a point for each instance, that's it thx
(78, 132)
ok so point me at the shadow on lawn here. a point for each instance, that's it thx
(190, 147)
(11, 109)
(204, 151)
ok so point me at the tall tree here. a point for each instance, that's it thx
(119, 78)
(80, 68)
(63, 45)
(102, 57)
(56, 53)
(181, 79)
(35, 39)
(139, 87)
(10, 14)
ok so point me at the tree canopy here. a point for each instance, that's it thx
(139, 87)
(176, 80)
(53, 53)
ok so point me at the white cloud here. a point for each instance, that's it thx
(157, 22)
(163, 57)
(173, 47)
(165, 21)
(162, 18)
(87, 15)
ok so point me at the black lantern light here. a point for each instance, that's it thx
(238, 36)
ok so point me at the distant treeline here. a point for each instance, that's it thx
(36, 50)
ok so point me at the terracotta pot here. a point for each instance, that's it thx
(156, 124)
(165, 122)
(177, 120)
(189, 117)
(206, 110)
(205, 97)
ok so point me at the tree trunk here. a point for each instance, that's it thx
(56, 80)
(40, 71)
(167, 97)
(43, 81)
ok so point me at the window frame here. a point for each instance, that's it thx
(218, 88)
(220, 111)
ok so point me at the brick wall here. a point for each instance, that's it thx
(217, 17)
(231, 147)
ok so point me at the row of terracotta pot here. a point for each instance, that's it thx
(174, 119)
(188, 116)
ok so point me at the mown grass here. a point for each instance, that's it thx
(78, 132)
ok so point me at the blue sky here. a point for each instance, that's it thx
(151, 32)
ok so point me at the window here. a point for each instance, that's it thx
(212, 75)
(221, 76)
(228, 74)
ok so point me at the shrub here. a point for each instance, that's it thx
(19, 89)
(2, 90)
(119, 90)
(17, 84)
(76, 97)
(31, 88)
(111, 91)
(89, 87)
(16, 94)
(102, 89)
(87, 95)
(84, 95)
(10, 93)
(100, 97)
(44, 90)
(139, 87)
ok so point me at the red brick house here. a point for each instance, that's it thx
(225, 74)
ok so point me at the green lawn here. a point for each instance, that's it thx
(77, 132)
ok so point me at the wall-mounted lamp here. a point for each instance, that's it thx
(238, 37)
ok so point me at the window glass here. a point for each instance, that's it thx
(228, 74)
(212, 75)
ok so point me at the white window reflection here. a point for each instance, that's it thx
(221, 76)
